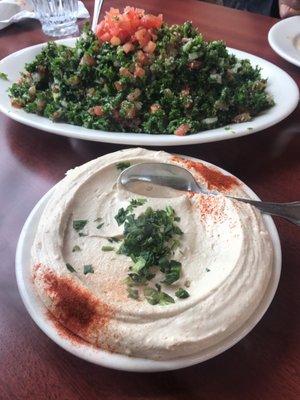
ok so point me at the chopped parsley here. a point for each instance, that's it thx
(3, 76)
(79, 224)
(132, 293)
(81, 234)
(123, 213)
(88, 269)
(207, 269)
(172, 271)
(76, 248)
(113, 240)
(70, 268)
(149, 240)
(123, 165)
(100, 225)
(107, 248)
(187, 82)
(156, 296)
(181, 293)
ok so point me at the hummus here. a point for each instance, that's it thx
(225, 251)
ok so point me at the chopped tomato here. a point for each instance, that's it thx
(154, 107)
(133, 25)
(97, 111)
(118, 86)
(141, 57)
(151, 21)
(142, 36)
(127, 47)
(139, 72)
(124, 72)
(182, 130)
(115, 41)
(150, 47)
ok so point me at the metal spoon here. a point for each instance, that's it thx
(179, 178)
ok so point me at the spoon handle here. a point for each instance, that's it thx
(289, 211)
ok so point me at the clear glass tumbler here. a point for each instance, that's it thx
(58, 17)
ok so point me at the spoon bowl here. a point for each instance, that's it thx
(145, 177)
(151, 178)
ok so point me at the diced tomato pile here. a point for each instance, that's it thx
(131, 27)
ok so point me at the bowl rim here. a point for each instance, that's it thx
(38, 311)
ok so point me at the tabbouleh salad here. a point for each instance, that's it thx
(139, 74)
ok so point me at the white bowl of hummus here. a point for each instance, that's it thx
(146, 283)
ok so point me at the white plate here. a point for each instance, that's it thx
(38, 311)
(284, 37)
(280, 85)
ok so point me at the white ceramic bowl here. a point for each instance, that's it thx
(284, 38)
(39, 314)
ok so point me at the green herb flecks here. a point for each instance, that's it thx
(149, 240)
(132, 293)
(76, 248)
(107, 248)
(156, 296)
(88, 269)
(181, 293)
(123, 165)
(70, 268)
(123, 213)
(172, 270)
(79, 224)
(82, 234)
(100, 225)
(113, 240)
(3, 76)
(187, 82)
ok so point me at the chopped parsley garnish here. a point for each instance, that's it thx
(123, 213)
(100, 225)
(107, 248)
(132, 293)
(113, 240)
(123, 165)
(76, 248)
(3, 76)
(70, 268)
(156, 296)
(81, 234)
(79, 224)
(149, 240)
(207, 269)
(181, 293)
(88, 269)
(172, 271)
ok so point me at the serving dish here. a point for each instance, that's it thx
(279, 84)
(284, 38)
(85, 351)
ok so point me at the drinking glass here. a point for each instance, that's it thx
(58, 17)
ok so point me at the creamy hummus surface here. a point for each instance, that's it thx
(225, 252)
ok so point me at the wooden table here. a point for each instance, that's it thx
(264, 364)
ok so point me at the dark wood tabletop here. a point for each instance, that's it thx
(265, 364)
